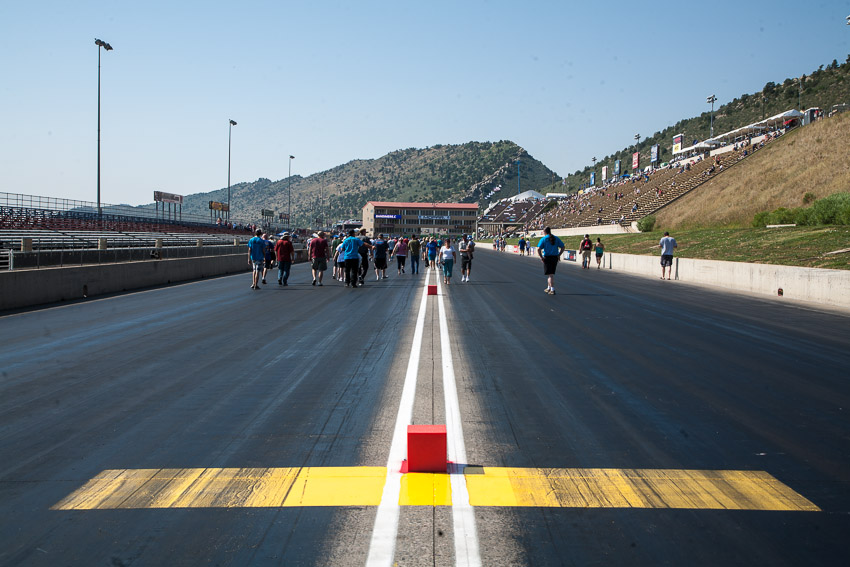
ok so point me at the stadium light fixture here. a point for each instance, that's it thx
(711, 100)
(229, 132)
(106, 46)
(637, 140)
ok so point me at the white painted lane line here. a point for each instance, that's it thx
(463, 516)
(385, 532)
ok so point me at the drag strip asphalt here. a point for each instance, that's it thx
(624, 420)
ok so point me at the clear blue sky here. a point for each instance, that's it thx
(334, 81)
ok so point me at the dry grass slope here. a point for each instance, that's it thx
(813, 159)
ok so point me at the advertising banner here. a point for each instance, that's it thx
(593, 178)
(162, 197)
(387, 216)
(604, 173)
(635, 160)
(216, 206)
(677, 143)
(653, 154)
(617, 168)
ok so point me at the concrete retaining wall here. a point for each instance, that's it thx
(24, 288)
(828, 287)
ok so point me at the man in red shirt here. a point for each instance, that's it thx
(285, 256)
(319, 254)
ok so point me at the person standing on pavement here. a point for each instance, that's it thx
(364, 255)
(285, 253)
(667, 244)
(432, 248)
(521, 246)
(415, 249)
(257, 255)
(600, 250)
(550, 249)
(319, 253)
(467, 249)
(400, 252)
(586, 246)
(351, 254)
(448, 255)
(381, 247)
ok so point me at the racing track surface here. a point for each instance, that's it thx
(624, 421)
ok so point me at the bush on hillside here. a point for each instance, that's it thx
(834, 209)
(646, 224)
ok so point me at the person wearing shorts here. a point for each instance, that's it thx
(467, 249)
(381, 247)
(667, 244)
(550, 249)
(319, 253)
(600, 250)
(257, 254)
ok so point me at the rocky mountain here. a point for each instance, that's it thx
(464, 173)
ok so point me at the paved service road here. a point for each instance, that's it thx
(624, 421)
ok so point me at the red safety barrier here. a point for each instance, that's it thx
(426, 448)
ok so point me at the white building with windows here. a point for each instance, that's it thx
(452, 219)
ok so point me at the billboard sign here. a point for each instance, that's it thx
(162, 197)
(677, 143)
(617, 168)
(653, 154)
(635, 160)
(593, 178)
(604, 173)
(216, 206)
(387, 216)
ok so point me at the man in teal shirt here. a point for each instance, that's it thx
(550, 249)
(257, 248)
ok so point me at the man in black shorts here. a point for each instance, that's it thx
(364, 255)
(466, 248)
(381, 247)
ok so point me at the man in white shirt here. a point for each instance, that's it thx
(667, 244)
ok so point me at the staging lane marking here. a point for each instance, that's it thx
(385, 530)
(463, 516)
(488, 487)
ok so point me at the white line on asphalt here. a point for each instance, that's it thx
(382, 546)
(463, 515)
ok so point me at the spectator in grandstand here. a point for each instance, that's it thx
(319, 252)
(448, 255)
(256, 253)
(285, 256)
(414, 248)
(550, 248)
(667, 244)
(585, 247)
(467, 249)
(600, 249)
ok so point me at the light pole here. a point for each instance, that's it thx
(289, 191)
(711, 100)
(593, 159)
(229, 132)
(107, 47)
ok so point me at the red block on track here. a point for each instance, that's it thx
(432, 290)
(426, 448)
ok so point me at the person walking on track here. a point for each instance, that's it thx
(550, 249)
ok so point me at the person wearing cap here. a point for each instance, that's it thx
(285, 253)
(415, 249)
(381, 247)
(466, 248)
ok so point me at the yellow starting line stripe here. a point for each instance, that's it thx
(488, 486)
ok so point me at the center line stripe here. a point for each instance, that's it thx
(382, 546)
(463, 516)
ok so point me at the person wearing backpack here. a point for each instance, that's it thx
(586, 246)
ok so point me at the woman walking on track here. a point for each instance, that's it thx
(550, 249)
(448, 255)
(600, 249)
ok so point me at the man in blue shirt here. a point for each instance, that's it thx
(550, 249)
(257, 253)
(351, 254)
